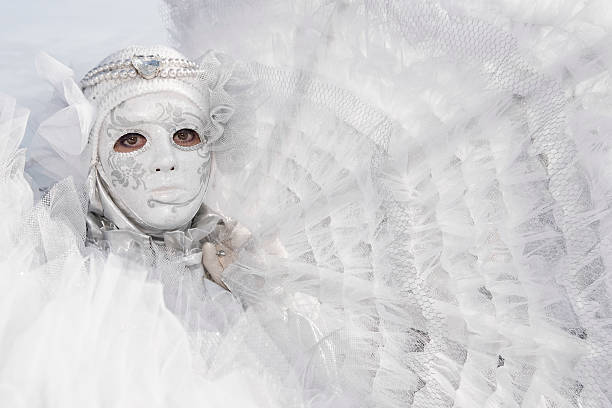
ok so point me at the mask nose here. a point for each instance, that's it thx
(164, 160)
(164, 167)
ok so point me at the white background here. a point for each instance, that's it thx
(78, 33)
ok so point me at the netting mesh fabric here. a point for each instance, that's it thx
(486, 279)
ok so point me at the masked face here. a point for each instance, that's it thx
(154, 159)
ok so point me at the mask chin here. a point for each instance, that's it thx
(158, 229)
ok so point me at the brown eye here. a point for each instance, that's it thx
(186, 137)
(129, 142)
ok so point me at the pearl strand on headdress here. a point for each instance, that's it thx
(124, 69)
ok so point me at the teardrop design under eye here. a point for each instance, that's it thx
(130, 142)
(186, 137)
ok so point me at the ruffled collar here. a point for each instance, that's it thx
(106, 222)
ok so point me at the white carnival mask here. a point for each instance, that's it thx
(154, 159)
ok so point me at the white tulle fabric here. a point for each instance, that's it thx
(442, 194)
(475, 221)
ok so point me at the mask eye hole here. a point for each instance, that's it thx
(129, 142)
(186, 137)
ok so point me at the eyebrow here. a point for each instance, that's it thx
(167, 118)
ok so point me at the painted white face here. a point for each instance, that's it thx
(155, 160)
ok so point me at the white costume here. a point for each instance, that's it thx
(440, 193)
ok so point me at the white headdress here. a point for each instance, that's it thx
(213, 82)
(136, 71)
